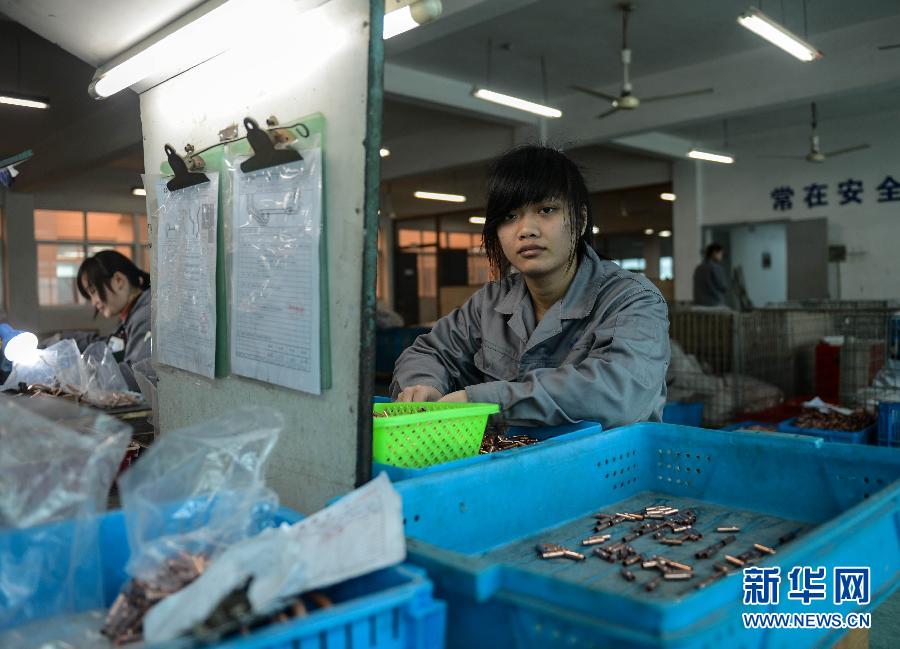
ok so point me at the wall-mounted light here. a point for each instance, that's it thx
(515, 102)
(477, 220)
(138, 191)
(595, 230)
(13, 99)
(384, 152)
(411, 16)
(649, 231)
(668, 196)
(437, 196)
(665, 234)
(710, 156)
(780, 36)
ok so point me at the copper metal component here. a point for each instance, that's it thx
(652, 584)
(709, 551)
(652, 563)
(671, 541)
(728, 529)
(632, 560)
(763, 548)
(596, 539)
(571, 554)
(673, 576)
(734, 560)
(627, 574)
(551, 551)
(679, 566)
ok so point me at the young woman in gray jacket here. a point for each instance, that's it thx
(562, 336)
(116, 287)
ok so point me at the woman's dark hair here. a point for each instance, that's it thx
(530, 174)
(98, 271)
(713, 249)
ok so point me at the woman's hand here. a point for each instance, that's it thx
(459, 396)
(419, 393)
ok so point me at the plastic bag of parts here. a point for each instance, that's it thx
(54, 480)
(147, 380)
(199, 489)
(103, 373)
(59, 365)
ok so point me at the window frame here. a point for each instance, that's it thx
(85, 243)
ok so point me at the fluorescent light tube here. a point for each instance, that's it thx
(199, 35)
(411, 16)
(515, 102)
(477, 220)
(668, 196)
(648, 231)
(24, 102)
(697, 154)
(138, 191)
(385, 152)
(760, 24)
(436, 196)
(665, 234)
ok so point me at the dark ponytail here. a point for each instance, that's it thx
(98, 271)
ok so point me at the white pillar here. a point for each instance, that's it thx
(687, 220)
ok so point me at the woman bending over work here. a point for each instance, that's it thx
(563, 336)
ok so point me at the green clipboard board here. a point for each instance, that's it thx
(214, 161)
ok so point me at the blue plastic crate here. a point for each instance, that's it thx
(475, 530)
(391, 608)
(863, 436)
(390, 343)
(684, 413)
(889, 424)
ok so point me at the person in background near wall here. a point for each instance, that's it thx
(711, 279)
(118, 288)
(569, 337)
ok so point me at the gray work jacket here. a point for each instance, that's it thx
(599, 354)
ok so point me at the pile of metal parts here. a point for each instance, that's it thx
(107, 400)
(499, 442)
(233, 615)
(125, 620)
(831, 420)
(670, 527)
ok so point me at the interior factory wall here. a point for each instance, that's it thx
(870, 230)
(749, 245)
(317, 62)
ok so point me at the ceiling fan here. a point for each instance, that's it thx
(815, 153)
(626, 100)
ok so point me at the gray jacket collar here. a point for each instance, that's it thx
(576, 303)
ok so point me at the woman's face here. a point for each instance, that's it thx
(117, 296)
(537, 239)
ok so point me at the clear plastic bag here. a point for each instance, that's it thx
(103, 373)
(199, 489)
(57, 366)
(54, 480)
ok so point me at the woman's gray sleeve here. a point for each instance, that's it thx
(619, 382)
(443, 358)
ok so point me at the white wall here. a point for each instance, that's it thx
(315, 62)
(740, 193)
(748, 244)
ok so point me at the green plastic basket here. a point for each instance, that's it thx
(445, 431)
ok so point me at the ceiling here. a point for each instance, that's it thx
(581, 39)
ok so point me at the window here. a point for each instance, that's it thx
(666, 268)
(634, 264)
(66, 238)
